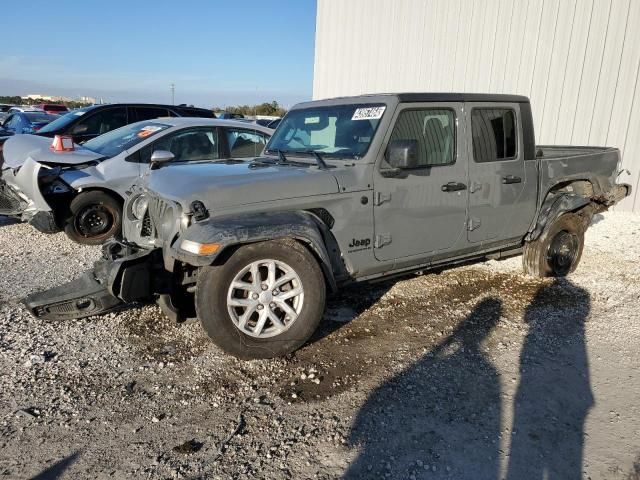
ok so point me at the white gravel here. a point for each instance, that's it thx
(425, 378)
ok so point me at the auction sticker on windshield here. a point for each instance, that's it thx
(368, 113)
(149, 130)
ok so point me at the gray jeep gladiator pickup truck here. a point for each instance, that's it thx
(347, 190)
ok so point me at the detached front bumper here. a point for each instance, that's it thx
(114, 281)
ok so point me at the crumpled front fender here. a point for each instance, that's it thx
(256, 227)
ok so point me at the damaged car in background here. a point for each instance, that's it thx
(347, 190)
(81, 188)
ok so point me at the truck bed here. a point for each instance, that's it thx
(555, 151)
(560, 164)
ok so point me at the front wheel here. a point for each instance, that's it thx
(265, 301)
(557, 252)
(95, 218)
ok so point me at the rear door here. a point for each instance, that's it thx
(422, 211)
(93, 124)
(244, 143)
(501, 196)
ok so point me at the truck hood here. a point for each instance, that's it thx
(19, 148)
(238, 183)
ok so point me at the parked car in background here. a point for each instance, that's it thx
(274, 124)
(24, 108)
(4, 111)
(263, 121)
(27, 122)
(82, 191)
(89, 122)
(57, 109)
(229, 116)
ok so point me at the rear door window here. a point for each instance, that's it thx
(245, 143)
(191, 145)
(494, 134)
(104, 121)
(148, 113)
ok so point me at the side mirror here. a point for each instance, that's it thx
(79, 129)
(403, 154)
(159, 157)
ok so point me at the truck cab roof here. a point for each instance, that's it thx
(420, 97)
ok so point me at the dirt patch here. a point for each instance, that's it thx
(157, 338)
(367, 327)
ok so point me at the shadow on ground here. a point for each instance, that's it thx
(56, 470)
(441, 417)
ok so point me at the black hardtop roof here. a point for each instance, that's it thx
(414, 97)
(461, 97)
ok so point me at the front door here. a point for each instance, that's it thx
(501, 196)
(421, 211)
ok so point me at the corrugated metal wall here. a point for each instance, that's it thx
(578, 60)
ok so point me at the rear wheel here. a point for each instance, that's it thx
(557, 252)
(95, 217)
(265, 301)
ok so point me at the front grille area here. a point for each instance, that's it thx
(152, 223)
(156, 210)
(147, 227)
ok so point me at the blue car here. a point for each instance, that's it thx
(26, 122)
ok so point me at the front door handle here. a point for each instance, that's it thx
(453, 187)
(511, 179)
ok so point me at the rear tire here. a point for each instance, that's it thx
(557, 252)
(95, 217)
(249, 312)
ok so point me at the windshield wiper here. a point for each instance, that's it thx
(322, 165)
(281, 156)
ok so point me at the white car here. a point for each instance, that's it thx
(81, 188)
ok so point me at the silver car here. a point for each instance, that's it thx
(82, 190)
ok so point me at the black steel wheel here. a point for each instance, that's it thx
(95, 217)
(557, 252)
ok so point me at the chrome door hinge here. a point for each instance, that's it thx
(382, 197)
(382, 240)
(472, 224)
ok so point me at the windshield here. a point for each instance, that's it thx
(117, 141)
(334, 131)
(64, 120)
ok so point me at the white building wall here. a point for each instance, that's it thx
(578, 60)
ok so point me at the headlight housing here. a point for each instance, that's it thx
(139, 206)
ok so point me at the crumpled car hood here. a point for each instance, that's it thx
(229, 184)
(19, 148)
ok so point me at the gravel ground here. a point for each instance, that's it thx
(476, 372)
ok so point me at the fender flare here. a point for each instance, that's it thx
(554, 206)
(236, 230)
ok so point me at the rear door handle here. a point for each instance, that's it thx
(453, 187)
(511, 179)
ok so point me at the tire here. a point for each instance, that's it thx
(557, 252)
(222, 321)
(95, 218)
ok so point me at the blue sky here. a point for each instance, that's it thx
(217, 52)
